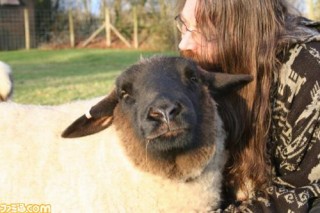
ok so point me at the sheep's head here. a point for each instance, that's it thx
(163, 101)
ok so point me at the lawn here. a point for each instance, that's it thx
(52, 77)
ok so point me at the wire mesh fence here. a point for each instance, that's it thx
(12, 32)
(46, 29)
(22, 28)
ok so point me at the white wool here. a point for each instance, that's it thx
(5, 81)
(89, 174)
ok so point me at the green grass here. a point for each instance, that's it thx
(52, 77)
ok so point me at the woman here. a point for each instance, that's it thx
(273, 123)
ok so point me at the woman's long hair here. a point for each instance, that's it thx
(249, 35)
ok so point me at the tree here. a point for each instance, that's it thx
(310, 9)
(317, 10)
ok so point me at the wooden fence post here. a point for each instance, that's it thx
(27, 28)
(135, 28)
(71, 30)
(108, 29)
(93, 35)
(176, 36)
(123, 39)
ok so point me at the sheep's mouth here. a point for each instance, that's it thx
(170, 140)
(169, 133)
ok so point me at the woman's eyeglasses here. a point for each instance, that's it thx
(196, 35)
(183, 28)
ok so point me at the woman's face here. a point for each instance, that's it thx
(193, 44)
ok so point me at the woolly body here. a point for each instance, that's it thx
(6, 82)
(90, 174)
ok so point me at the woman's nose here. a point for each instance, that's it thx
(187, 42)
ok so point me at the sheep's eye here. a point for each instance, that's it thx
(191, 75)
(194, 79)
(124, 94)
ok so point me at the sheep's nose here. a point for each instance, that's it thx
(165, 113)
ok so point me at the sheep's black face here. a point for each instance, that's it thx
(162, 102)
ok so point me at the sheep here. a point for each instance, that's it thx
(161, 148)
(6, 82)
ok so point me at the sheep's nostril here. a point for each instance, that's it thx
(173, 110)
(165, 113)
(156, 114)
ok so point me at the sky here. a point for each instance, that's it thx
(95, 7)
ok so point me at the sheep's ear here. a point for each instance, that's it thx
(221, 83)
(98, 118)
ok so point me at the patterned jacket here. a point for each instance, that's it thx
(295, 135)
